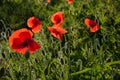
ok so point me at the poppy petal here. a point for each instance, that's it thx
(33, 46)
(18, 34)
(57, 18)
(92, 24)
(34, 24)
(37, 29)
(69, 1)
(94, 29)
(48, 1)
(57, 32)
(59, 36)
(18, 46)
(61, 30)
(87, 21)
(21, 41)
(24, 36)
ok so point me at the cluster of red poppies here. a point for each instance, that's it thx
(57, 30)
(21, 40)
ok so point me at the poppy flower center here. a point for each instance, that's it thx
(35, 22)
(92, 24)
(57, 19)
(56, 32)
(25, 43)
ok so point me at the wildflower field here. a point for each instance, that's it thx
(59, 39)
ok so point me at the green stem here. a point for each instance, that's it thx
(88, 69)
(80, 72)
(112, 63)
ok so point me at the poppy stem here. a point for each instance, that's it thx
(29, 69)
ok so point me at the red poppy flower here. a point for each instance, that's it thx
(58, 18)
(21, 41)
(48, 1)
(57, 31)
(69, 1)
(92, 24)
(35, 24)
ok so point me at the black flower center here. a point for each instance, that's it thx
(25, 43)
(57, 18)
(58, 21)
(35, 23)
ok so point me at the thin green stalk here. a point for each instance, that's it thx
(88, 69)
(80, 72)
(112, 63)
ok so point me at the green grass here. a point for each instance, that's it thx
(82, 55)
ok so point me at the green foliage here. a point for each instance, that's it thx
(82, 55)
